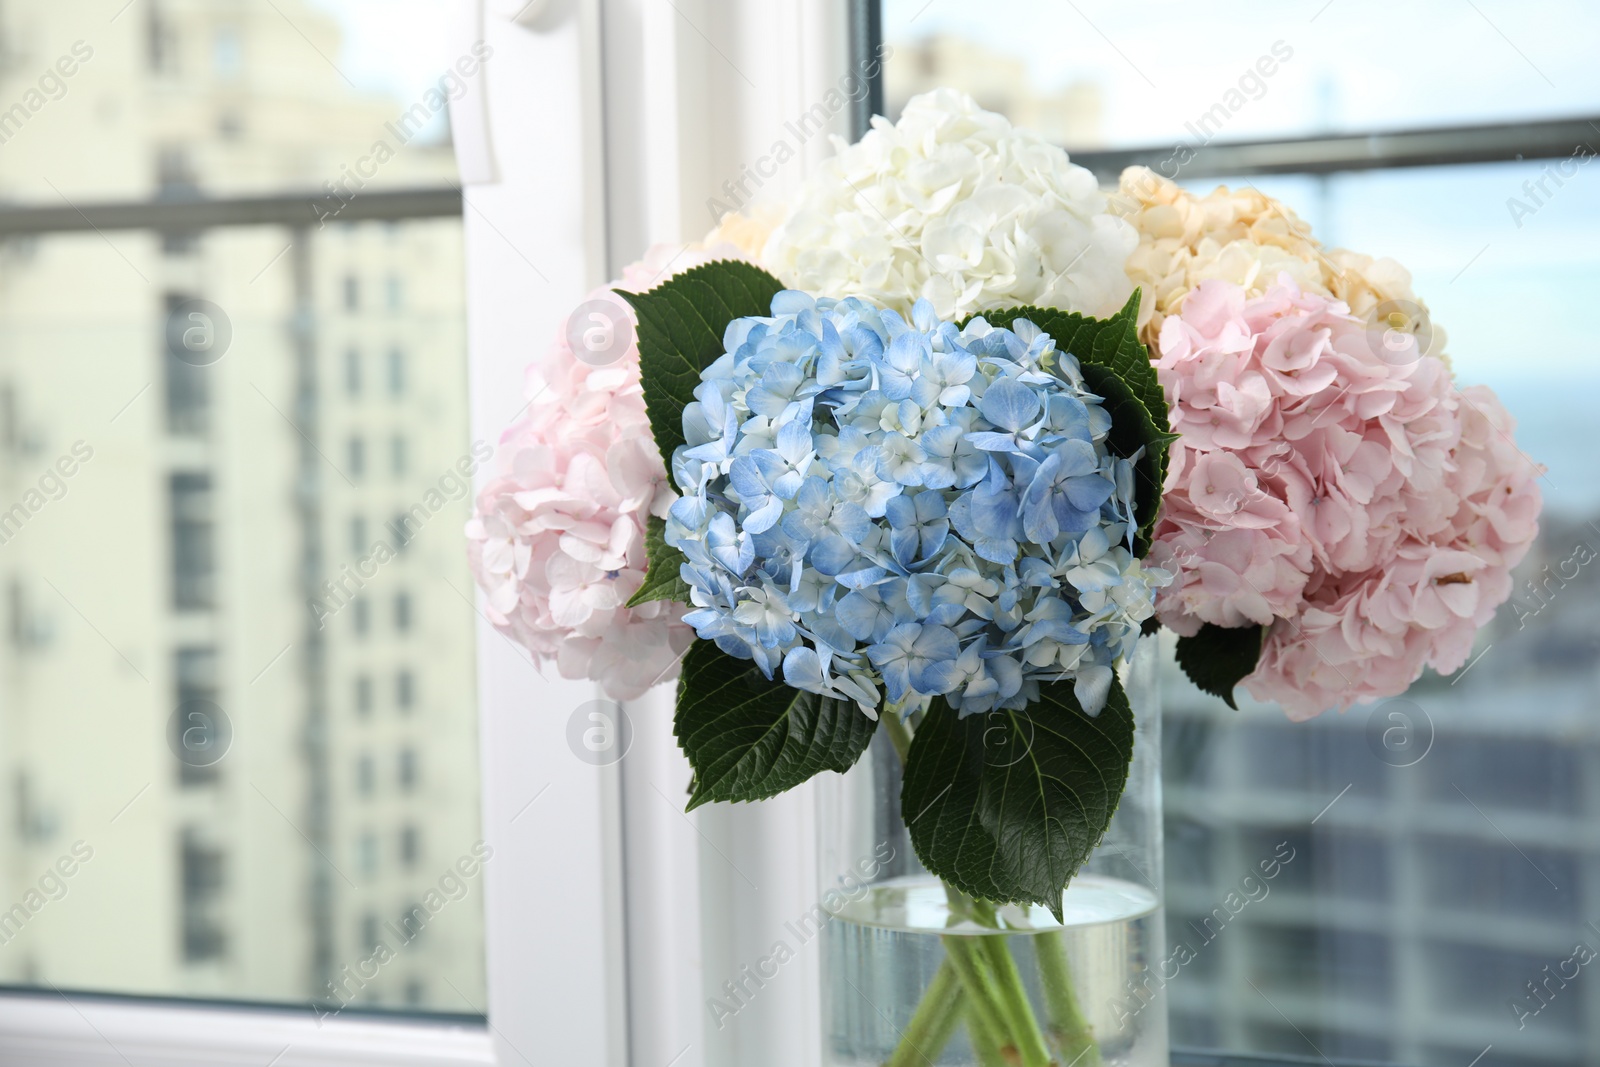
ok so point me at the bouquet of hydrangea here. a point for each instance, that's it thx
(1338, 514)
(914, 476)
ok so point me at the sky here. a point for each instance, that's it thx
(392, 46)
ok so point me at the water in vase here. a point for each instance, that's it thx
(884, 948)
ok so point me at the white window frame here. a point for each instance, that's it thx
(600, 130)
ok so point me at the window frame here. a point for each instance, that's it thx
(637, 115)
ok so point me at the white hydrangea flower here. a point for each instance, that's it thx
(954, 205)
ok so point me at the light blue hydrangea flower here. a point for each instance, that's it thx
(875, 508)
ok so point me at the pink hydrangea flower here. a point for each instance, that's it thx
(557, 539)
(1332, 483)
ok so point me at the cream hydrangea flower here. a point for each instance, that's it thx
(747, 230)
(1245, 237)
(954, 205)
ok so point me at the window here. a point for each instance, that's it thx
(184, 299)
(358, 535)
(393, 293)
(400, 534)
(1423, 899)
(195, 671)
(402, 612)
(367, 853)
(205, 937)
(161, 41)
(193, 550)
(397, 456)
(352, 371)
(407, 769)
(188, 384)
(409, 847)
(227, 50)
(275, 241)
(397, 372)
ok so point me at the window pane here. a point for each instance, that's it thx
(1097, 73)
(1422, 903)
(1434, 905)
(237, 722)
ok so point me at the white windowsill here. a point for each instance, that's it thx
(88, 1032)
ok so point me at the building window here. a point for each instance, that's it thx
(404, 690)
(402, 612)
(358, 534)
(356, 456)
(364, 695)
(194, 564)
(402, 532)
(352, 371)
(397, 456)
(201, 875)
(195, 675)
(188, 387)
(361, 616)
(161, 41)
(365, 775)
(227, 53)
(408, 769)
(416, 992)
(410, 846)
(352, 293)
(394, 293)
(397, 372)
(367, 853)
(369, 939)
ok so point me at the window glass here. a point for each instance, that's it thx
(205, 790)
(1097, 73)
(1429, 899)
(1478, 854)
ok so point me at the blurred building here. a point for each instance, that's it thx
(267, 526)
(998, 82)
(1434, 908)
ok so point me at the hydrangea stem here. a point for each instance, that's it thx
(985, 1045)
(1073, 1034)
(984, 998)
(934, 1022)
(1001, 1023)
(1013, 994)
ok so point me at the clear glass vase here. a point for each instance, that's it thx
(914, 974)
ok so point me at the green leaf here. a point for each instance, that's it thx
(661, 581)
(1116, 365)
(1007, 806)
(748, 738)
(1219, 657)
(681, 324)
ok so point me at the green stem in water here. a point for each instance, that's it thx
(1000, 1019)
(1073, 1034)
(1013, 994)
(933, 1023)
(985, 1045)
(1014, 1000)
(983, 997)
